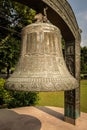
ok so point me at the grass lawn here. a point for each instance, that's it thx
(83, 96)
(57, 98)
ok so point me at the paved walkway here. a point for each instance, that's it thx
(38, 118)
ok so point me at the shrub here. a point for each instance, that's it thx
(83, 76)
(16, 99)
(5, 97)
(20, 99)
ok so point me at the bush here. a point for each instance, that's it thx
(16, 99)
(20, 99)
(83, 76)
(5, 97)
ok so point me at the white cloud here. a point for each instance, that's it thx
(82, 15)
(82, 22)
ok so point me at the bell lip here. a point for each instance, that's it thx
(26, 90)
(39, 87)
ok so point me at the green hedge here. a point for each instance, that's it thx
(5, 96)
(20, 99)
(83, 76)
(13, 99)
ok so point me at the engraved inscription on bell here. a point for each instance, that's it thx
(41, 66)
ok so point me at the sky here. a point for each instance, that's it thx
(80, 10)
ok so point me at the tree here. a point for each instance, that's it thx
(5, 15)
(14, 17)
(84, 60)
(7, 46)
(9, 53)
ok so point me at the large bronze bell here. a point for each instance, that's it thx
(41, 66)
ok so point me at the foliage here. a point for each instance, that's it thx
(14, 16)
(9, 44)
(84, 60)
(16, 99)
(20, 99)
(9, 53)
(5, 18)
(23, 17)
(5, 97)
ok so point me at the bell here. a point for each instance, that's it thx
(41, 66)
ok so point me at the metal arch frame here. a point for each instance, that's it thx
(61, 15)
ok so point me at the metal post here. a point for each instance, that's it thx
(72, 97)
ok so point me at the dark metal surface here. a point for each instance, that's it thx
(72, 97)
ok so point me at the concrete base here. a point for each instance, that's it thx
(38, 118)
